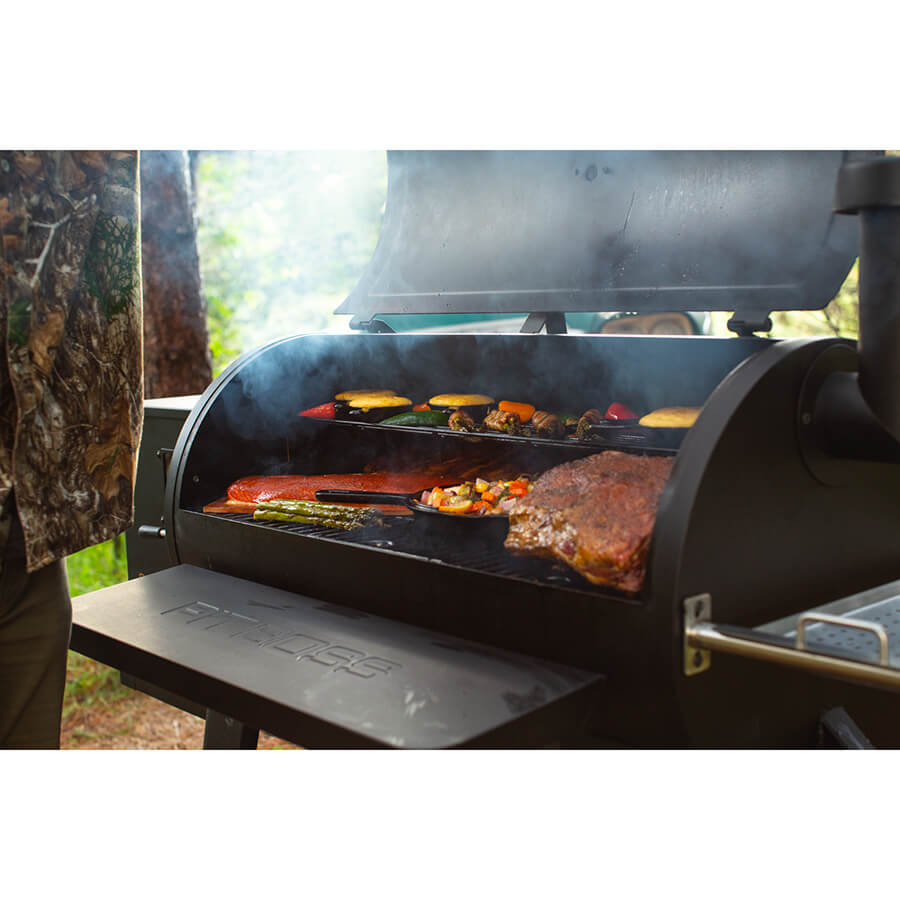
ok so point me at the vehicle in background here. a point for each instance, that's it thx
(577, 323)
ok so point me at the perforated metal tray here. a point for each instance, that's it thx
(856, 638)
(879, 606)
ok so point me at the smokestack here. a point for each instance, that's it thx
(871, 190)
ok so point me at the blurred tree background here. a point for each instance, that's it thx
(282, 239)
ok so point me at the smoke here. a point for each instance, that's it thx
(283, 238)
(488, 232)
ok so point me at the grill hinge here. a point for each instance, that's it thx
(745, 324)
(697, 609)
(554, 322)
(373, 325)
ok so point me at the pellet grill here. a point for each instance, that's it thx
(780, 517)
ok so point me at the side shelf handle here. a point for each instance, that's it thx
(840, 622)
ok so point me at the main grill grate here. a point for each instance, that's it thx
(401, 535)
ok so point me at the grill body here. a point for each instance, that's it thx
(744, 517)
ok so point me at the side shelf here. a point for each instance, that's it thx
(324, 675)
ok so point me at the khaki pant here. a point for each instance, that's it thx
(35, 624)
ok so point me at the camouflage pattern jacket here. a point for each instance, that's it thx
(70, 346)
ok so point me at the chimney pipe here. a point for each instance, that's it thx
(871, 190)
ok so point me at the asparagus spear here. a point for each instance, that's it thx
(323, 521)
(316, 508)
(317, 513)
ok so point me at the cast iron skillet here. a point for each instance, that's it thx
(408, 500)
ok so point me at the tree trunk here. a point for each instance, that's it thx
(176, 339)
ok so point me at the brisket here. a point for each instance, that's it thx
(596, 514)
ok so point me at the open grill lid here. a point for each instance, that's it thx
(585, 231)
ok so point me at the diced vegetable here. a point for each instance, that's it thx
(518, 488)
(479, 497)
(457, 505)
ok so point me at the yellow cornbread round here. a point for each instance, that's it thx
(457, 400)
(671, 417)
(374, 401)
(355, 395)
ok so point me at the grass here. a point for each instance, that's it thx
(87, 681)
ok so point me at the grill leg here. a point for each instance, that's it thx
(225, 733)
(837, 731)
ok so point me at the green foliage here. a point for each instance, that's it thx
(88, 681)
(97, 567)
(840, 318)
(282, 240)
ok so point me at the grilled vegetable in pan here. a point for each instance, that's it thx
(478, 499)
(456, 510)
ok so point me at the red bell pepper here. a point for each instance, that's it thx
(619, 411)
(325, 411)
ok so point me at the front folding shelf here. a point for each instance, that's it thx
(321, 674)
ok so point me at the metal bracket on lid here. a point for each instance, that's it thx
(746, 324)
(372, 326)
(554, 322)
(697, 611)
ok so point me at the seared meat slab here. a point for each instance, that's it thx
(596, 514)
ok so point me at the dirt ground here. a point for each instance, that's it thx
(140, 722)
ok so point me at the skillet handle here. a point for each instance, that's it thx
(336, 496)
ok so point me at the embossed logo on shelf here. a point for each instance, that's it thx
(301, 647)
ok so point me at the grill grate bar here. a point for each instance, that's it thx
(401, 536)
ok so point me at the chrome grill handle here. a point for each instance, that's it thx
(841, 622)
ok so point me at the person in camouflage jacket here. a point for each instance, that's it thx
(70, 403)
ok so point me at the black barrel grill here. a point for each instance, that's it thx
(780, 517)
